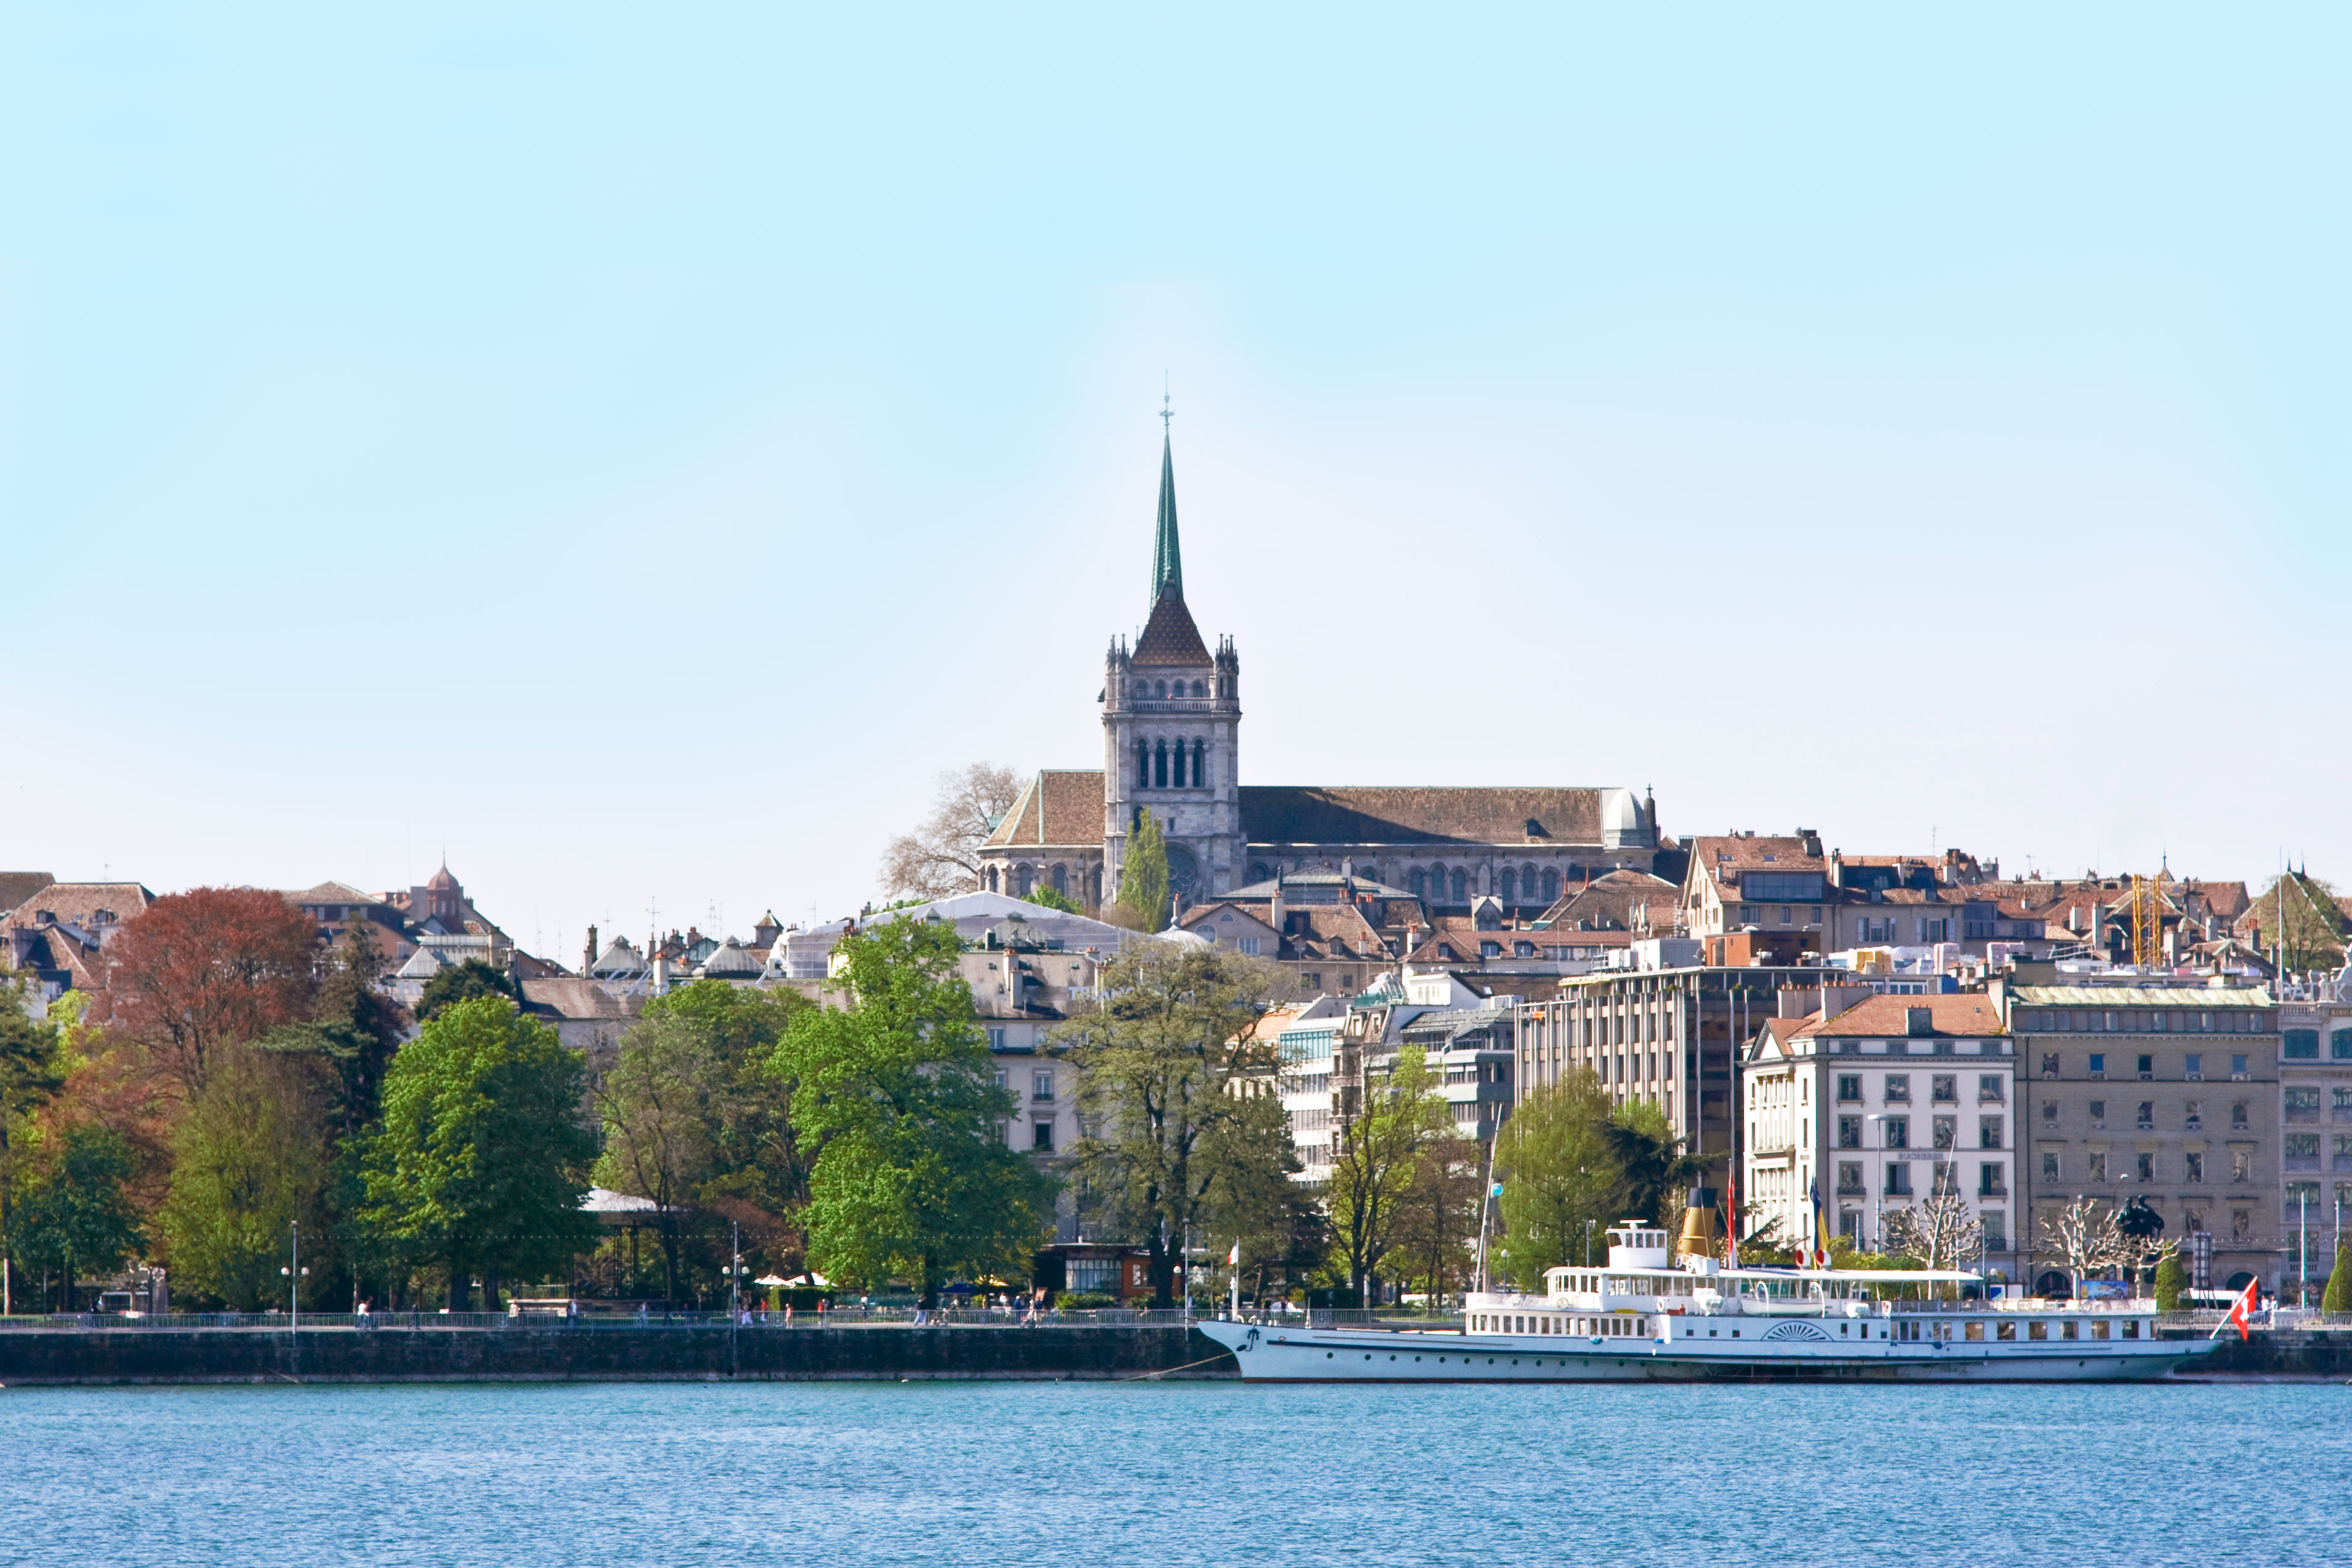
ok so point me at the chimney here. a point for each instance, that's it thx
(1277, 914)
(1918, 1020)
(589, 962)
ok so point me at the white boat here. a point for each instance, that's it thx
(1643, 1318)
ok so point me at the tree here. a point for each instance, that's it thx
(1378, 1153)
(353, 1028)
(209, 968)
(1158, 1065)
(75, 1216)
(2084, 1239)
(31, 1074)
(2306, 925)
(2337, 1298)
(480, 1160)
(1047, 896)
(895, 1095)
(1556, 1160)
(2171, 1279)
(1657, 1174)
(941, 857)
(462, 982)
(249, 1160)
(1143, 877)
(1939, 1231)
(693, 1115)
(1437, 1220)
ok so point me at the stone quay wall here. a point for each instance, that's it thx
(559, 1353)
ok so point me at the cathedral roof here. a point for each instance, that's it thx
(1167, 564)
(1170, 637)
(1059, 806)
(1288, 814)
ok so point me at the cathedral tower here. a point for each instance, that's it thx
(1172, 731)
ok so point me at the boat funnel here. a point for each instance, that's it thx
(1699, 1238)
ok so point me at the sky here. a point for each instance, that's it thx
(632, 451)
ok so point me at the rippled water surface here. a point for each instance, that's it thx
(1173, 1473)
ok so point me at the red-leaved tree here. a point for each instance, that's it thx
(204, 969)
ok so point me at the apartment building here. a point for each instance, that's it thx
(2315, 1123)
(1858, 1105)
(2130, 1088)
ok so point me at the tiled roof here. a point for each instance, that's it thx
(1058, 807)
(1170, 637)
(77, 901)
(1890, 1016)
(1292, 813)
(1734, 854)
(1613, 899)
(2097, 995)
(574, 997)
(16, 887)
(333, 893)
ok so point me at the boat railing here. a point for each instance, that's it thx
(2140, 1307)
(1374, 1317)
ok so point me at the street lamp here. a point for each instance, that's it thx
(294, 1273)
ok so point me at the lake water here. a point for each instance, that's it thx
(1172, 1473)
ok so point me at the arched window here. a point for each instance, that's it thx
(1417, 882)
(1094, 885)
(1461, 886)
(1142, 764)
(1258, 873)
(1160, 766)
(1437, 884)
(1528, 882)
(1061, 878)
(1199, 689)
(1176, 772)
(987, 878)
(1028, 880)
(1160, 689)
(1511, 887)
(1550, 884)
(1200, 764)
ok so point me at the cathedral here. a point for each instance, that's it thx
(1171, 719)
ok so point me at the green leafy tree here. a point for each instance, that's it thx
(1437, 1223)
(2171, 1279)
(1379, 1154)
(31, 1073)
(1558, 1162)
(1657, 1174)
(2337, 1297)
(1156, 1065)
(462, 982)
(1253, 1199)
(693, 1117)
(354, 1028)
(2302, 922)
(1047, 896)
(249, 1160)
(481, 1159)
(75, 1216)
(1143, 877)
(896, 1095)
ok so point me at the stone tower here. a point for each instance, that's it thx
(1172, 731)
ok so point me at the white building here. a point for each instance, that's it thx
(1857, 1105)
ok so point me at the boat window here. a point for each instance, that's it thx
(2004, 1331)
(2037, 1330)
(2131, 1328)
(1974, 1332)
(2070, 1330)
(2099, 1329)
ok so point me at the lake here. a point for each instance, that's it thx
(1156, 1474)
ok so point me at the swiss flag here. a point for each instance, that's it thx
(2245, 1307)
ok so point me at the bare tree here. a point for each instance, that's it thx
(2085, 1238)
(1939, 1232)
(941, 857)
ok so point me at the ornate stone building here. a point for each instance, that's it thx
(1172, 745)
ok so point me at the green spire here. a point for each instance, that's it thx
(1167, 565)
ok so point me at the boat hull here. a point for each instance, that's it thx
(1284, 1354)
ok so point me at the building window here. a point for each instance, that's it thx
(2301, 1151)
(2196, 1118)
(1898, 1088)
(1509, 886)
(2146, 1119)
(2239, 1121)
(2340, 1046)
(1849, 1134)
(1944, 1086)
(2098, 1113)
(1041, 1084)
(2050, 1064)
(1898, 1179)
(1848, 1179)
(2301, 1103)
(2146, 1167)
(2299, 1045)
(1946, 1131)
(1988, 1132)
(1061, 878)
(1990, 1180)
(1247, 945)
(1898, 1132)
(1461, 886)
(2048, 1115)
(1160, 766)
(2098, 1166)
(2238, 1066)
(1995, 1229)
(996, 1042)
(2241, 1166)
(2049, 1166)
(1200, 757)
(1312, 979)
(2193, 1166)
(2098, 1064)
(1990, 1091)
(1849, 1088)
(2146, 1066)
(1040, 1137)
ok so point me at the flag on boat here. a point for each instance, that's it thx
(2245, 1309)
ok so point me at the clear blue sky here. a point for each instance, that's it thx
(636, 447)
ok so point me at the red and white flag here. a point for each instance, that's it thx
(1233, 1259)
(2245, 1307)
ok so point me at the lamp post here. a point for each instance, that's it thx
(294, 1271)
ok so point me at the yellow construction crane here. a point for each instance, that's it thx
(2147, 918)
